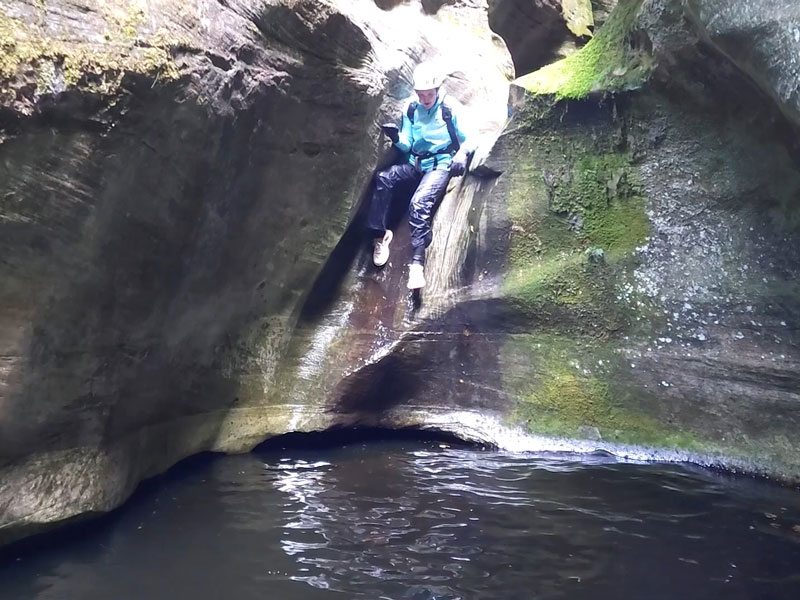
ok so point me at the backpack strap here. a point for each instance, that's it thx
(447, 115)
(412, 108)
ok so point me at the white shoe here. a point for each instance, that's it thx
(380, 253)
(416, 277)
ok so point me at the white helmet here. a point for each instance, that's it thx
(427, 77)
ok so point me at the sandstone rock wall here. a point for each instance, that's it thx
(182, 270)
(174, 175)
(761, 38)
(627, 281)
(682, 333)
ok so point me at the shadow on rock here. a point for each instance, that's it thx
(380, 386)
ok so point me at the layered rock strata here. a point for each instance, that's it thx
(627, 282)
(174, 175)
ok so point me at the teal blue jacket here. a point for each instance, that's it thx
(428, 133)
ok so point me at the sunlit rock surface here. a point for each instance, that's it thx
(627, 282)
(174, 176)
(183, 268)
(762, 38)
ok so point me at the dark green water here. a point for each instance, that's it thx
(421, 520)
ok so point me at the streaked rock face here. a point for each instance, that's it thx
(620, 272)
(762, 38)
(174, 175)
(183, 269)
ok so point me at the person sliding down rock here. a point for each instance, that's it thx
(435, 144)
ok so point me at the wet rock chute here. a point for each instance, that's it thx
(183, 266)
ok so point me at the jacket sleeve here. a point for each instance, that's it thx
(404, 141)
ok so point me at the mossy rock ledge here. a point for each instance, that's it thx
(653, 250)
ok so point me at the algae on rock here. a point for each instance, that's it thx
(572, 387)
(54, 65)
(579, 16)
(566, 194)
(683, 336)
(610, 61)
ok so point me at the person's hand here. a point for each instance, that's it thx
(391, 131)
(459, 165)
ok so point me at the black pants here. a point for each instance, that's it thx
(429, 188)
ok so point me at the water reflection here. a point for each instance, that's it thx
(446, 523)
(407, 520)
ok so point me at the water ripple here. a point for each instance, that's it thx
(415, 521)
(473, 524)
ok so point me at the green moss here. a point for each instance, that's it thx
(608, 62)
(132, 19)
(571, 295)
(568, 402)
(556, 280)
(537, 230)
(97, 68)
(593, 199)
(570, 389)
(595, 202)
(604, 191)
(532, 234)
(16, 47)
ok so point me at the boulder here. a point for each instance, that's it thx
(761, 38)
(174, 176)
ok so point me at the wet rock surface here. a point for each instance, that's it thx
(183, 267)
(762, 38)
(627, 279)
(148, 275)
(162, 220)
(687, 336)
